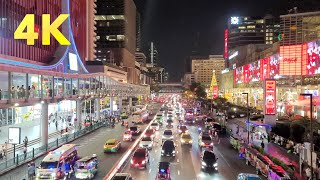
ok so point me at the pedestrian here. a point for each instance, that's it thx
(25, 152)
(56, 125)
(31, 171)
(1, 155)
(308, 173)
(25, 141)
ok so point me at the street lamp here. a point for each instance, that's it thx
(311, 131)
(248, 127)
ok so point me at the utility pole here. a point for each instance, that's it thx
(248, 126)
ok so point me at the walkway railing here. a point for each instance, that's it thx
(37, 152)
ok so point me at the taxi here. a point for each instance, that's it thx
(112, 145)
(186, 138)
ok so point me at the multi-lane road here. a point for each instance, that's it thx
(187, 163)
(88, 145)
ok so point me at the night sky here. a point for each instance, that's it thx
(173, 25)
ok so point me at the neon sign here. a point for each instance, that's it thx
(226, 33)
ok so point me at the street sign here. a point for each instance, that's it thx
(14, 135)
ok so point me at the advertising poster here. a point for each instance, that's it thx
(265, 68)
(290, 60)
(270, 97)
(246, 73)
(274, 66)
(239, 75)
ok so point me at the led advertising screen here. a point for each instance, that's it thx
(313, 58)
(246, 73)
(274, 66)
(291, 60)
(215, 92)
(265, 68)
(226, 34)
(238, 74)
(14, 135)
(270, 97)
(73, 62)
(255, 71)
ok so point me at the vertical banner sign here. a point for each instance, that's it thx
(215, 92)
(226, 44)
(270, 97)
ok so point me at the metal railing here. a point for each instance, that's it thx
(39, 151)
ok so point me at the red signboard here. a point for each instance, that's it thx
(226, 33)
(255, 71)
(215, 92)
(270, 97)
(238, 75)
(274, 66)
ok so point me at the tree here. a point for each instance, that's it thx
(220, 100)
(198, 89)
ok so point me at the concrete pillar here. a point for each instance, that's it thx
(111, 105)
(44, 124)
(120, 105)
(97, 108)
(78, 113)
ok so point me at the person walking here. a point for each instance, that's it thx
(56, 124)
(25, 141)
(31, 172)
(25, 152)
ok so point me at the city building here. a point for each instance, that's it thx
(293, 62)
(116, 35)
(154, 54)
(141, 58)
(189, 78)
(203, 68)
(138, 32)
(90, 29)
(245, 30)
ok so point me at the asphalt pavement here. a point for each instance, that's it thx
(88, 145)
(187, 163)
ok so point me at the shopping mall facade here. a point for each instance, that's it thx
(295, 66)
(39, 81)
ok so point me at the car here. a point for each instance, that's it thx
(155, 126)
(122, 176)
(127, 136)
(146, 142)
(182, 129)
(205, 141)
(112, 145)
(168, 148)
(135, 130)
(167, 135)
(247, 176)
(186, 138)
(209, 161)
(140, 158)
(170, 116)
(149, 133)
(241, 114)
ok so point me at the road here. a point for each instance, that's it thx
(88, 145)
(186, 165)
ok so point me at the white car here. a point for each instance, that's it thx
(146, 142)
(167, 135)
(155, 126)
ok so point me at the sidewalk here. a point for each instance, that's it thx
(31, 129)
(270, 148)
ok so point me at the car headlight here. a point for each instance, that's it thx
(131, 161)
(204, 164)
(186, 131)
(38, 175)
(163, 136)
(173, 151)
(53, 174)
(143, 162)
(162, 151)
(140, 145)
(202, 143)
(149, 145)
(190, 141)
(215, 164)
(182, 140)
(211, 144)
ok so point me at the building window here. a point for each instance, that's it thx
(251, 27)
(241, 27)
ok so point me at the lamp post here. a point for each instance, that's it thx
(248, 127)
(311, 131)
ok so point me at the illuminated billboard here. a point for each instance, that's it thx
(265, 68)
(313, 58)
(238, 75)
(215, 92)
(270, 97)
(274, 66)
(246, 73)
(255, 71)
(291, 60)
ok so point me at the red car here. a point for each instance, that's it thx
(140, 158)
(149, 133)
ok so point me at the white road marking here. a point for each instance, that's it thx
(178, 172)
(149, 171)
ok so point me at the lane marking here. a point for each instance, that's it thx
(179, 172)
(149, 170)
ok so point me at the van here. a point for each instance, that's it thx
(56, 164)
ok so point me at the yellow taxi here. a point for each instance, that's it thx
(112, 145)
(186, 138)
